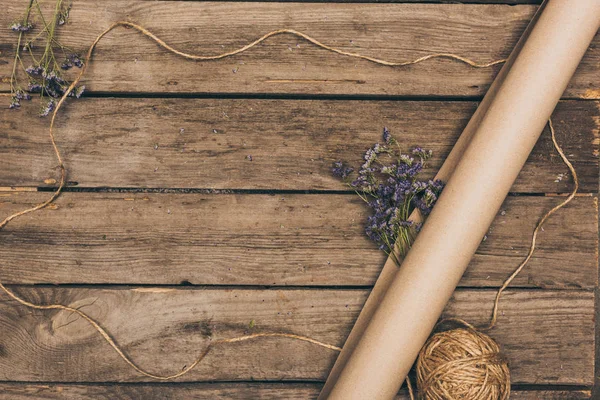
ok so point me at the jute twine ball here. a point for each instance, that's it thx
(462, 363)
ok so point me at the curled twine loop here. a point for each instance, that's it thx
(442, 361)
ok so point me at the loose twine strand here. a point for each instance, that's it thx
(196, 57)
(133, 365)
(63, 173)
(538, 226)
(464, 362)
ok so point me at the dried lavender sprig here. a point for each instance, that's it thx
(18, 27)
(341, 171)
(71, 61)
(44, 75)
(13, 77)
(392, 190)
(50, 106)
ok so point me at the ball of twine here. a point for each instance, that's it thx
(462, 363)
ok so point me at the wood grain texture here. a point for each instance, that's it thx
(398, 1)
(231, 391)
(546, 335)
(293, 143)
(266, 240)
(312, 240)
(128, 62)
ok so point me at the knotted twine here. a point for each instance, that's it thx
(453, 364)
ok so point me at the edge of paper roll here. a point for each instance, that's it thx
(396, 321)
(390, 267)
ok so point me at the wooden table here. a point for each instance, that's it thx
(171, 235)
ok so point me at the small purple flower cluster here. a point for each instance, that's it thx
(15, 101)
(341, 171)
(387, 181)
(71, 61)
(19, 27)
(47, 83)
(387, 137)
(63, 15)
(52, 83)
(48, 108)
(44, 77)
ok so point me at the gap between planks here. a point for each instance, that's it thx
(229, 390)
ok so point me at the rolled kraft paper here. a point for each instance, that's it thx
(390, 268)
(503, 138)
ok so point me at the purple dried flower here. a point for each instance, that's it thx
(340, 170)
(405, 171)
(63, 16)
(72, 60)
(417, 150)
(392, 191)
(77, 91)
(14, 102)
(53, 77)
(418, 186)
(18, 27)
(51, 91)
(360, 182)
(18, 95)
(427, 195)
(437, 185)
(37, 70)
(424, 154)
(54, 85)
(406, 159)
(34, 88)
(48, 108)
(387, 137)
(21, 95)
(75, 60)
(370, 156)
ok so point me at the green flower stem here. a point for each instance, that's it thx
(13, 77)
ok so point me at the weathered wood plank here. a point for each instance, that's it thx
(547, 336)
(253, 239)
(232, 391)
(127, 62)
(402, 1)
(139, 142)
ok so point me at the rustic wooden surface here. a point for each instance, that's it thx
(237, 391)
(145, 146)
(163, 329)
(288, 65)
(260, 239)
(171, 238)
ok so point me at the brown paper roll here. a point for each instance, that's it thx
(390, 268)
(504, 135)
